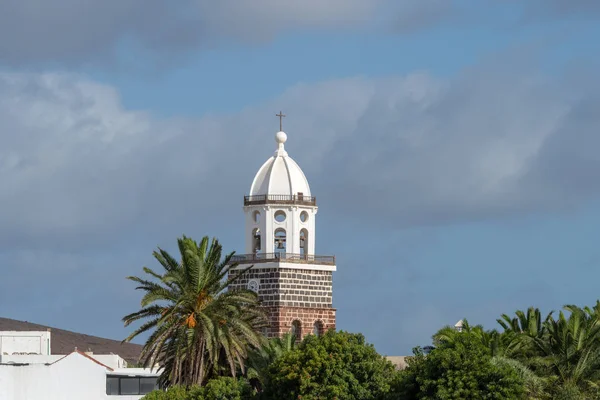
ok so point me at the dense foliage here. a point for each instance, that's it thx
(460, 369)
(219, 388)
(260, 359)
(206, 340)
(198, 328)
(338, 365)
(554, 357)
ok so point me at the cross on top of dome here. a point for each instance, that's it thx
(281, 116)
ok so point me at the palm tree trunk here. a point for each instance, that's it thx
(201, 362)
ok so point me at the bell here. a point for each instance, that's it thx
(279, 244)
(302, 242)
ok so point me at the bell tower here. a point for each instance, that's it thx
(293, 283)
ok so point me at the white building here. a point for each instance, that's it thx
(28, 371)
(18, 342)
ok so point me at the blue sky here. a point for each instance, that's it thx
(452, 146)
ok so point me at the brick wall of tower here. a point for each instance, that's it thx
(282, 318)
(289, 287)
(292, 295)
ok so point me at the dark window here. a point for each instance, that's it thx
(112, 385)
(318, 328)
(297, 329)
(128, 385)
(147, 385)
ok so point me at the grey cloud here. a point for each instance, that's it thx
(414, 16)
(569, 159)
(89, 188)
(87, 31)
(565, 7)
(530, 11)
(407, 151)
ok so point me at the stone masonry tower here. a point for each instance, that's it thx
(293, 284)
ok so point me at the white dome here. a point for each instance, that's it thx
(280, 175)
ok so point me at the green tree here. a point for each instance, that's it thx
(219, 388)
(497, 343)
(536, 387)
(174, 393)
(261, 358)
(529, 323)
(227, 388)
(564, 351)
(571, 349)
(523, 330)
(196, 324)
(337, 365)
(460, 368)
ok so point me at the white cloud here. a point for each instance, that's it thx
(401, 150)
(90, 187)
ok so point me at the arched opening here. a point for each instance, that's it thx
(318, 328)
(303, 242)
(256, 240)
(256, 216)
(297, 329)
(280, 241)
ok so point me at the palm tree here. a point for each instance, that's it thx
(535, 386)
(491, 339)
(571, 349)
(521, 331)
(259, 359)
(529, 323)
(501, 347)
(196, 324)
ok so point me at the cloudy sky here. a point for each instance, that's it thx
(454, 147)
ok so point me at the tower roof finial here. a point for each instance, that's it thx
(280, 115)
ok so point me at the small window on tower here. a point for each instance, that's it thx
(303, 242)
(279, 216)
(297, 329)
(280, 241)
(303, 216)
(318, 328)
(256, 216)
(256, 240)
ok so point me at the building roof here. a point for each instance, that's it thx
(280, 175)
(81, 353)
(398, 361)
(65, 342)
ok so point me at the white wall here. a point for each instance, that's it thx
(30, 358)
(292, 225)
(37, 342)
(74, 377)
(110, 360)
